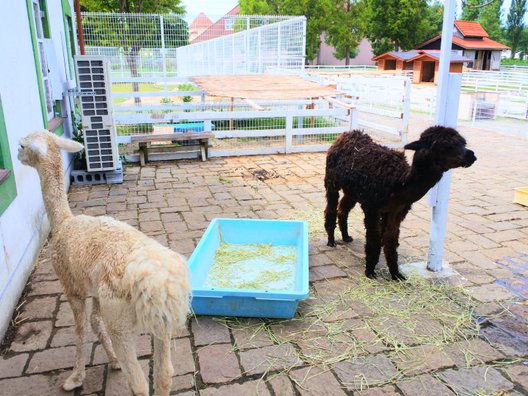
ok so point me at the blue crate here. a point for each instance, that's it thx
(242, 302)
(191, 126)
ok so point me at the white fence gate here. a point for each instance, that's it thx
(382, 104)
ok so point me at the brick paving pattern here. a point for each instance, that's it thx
(487, 243)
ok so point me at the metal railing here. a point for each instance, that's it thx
(279, 45)
(144, 45)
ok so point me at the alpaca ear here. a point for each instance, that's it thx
(68, 145)
(417, 145)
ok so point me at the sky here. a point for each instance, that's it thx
(214, 9)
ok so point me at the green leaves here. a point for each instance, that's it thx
(515, 25)
(401, 24)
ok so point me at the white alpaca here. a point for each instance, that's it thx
(136, 283)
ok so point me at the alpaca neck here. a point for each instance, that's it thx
(422, 176)
(51, 174)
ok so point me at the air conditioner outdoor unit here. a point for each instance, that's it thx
(94, 89)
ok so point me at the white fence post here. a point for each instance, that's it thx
(278, 46)
(406, 110)
(248, 26)
(289, 134)
(260, 67)
(163, 56)
(448, 94)
(474, 114)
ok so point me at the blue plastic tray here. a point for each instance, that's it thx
(247, 302)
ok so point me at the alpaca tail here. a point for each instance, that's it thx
(160, 294)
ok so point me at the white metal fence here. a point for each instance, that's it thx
(278, 126)
(144, 45)
(505, 80)
(279, 45)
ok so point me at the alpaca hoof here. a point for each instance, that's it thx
(71, 384)
(331, 244)
(371, 274)
(115, 365)
(399, 277)
(347, 239)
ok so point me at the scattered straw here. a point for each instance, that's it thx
(402, 315)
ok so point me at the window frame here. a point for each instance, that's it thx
(8, 191)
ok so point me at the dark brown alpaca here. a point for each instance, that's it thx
(382, 181)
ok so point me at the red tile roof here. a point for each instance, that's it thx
(480, 43)
(218, 28)
(484, 43)
(410, 56)
(471, 29)
(201, 21)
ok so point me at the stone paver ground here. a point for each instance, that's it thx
(349, 349)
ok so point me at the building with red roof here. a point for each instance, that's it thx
(222, 27)
(471, 47)
(473, 42)
(199, 25)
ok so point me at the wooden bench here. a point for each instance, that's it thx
(201, 139)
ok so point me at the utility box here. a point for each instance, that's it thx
(97, 117)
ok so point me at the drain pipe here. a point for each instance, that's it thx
(80, 33)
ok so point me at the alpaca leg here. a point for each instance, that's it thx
(119, 319)
(332, 198)
(125, 347)
(390, 246)
(163, 369)
(345, 206)
(76, 378)
(100, 331)
(373, 245)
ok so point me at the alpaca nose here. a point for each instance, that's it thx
(470, 158)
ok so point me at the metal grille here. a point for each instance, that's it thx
(96, 113)
(280, 45)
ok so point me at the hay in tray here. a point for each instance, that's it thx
(253, 266)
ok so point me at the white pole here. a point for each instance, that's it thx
(444, 96)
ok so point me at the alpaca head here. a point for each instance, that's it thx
(443, 148)
(35, 147)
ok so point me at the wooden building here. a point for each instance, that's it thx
(473, 42)
(423, 64)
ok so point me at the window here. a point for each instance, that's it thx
(69, 37)
(40, 31)
(7, 178)
(229, 23)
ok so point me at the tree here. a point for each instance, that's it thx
(515, 24)
(398, 24)
(345, 28)
(490, 19)
(133, 6)
(470, 10)
(133, 33)
(436, 19)
(315, 11)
